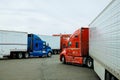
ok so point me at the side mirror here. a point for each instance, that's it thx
(69, 44)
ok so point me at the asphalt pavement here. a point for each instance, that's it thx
(43, 69)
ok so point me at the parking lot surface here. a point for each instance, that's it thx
(43, 69)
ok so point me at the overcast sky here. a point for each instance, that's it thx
(48, 16)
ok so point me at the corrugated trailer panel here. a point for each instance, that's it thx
(105, 38)
(12, 41)
(13, 37)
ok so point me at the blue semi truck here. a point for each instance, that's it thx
(38, 47)
(19, 45)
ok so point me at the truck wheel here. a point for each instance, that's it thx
(13, 55)
(26, 55)
(49, 54)
(63, 59)
(58, 52)
(89, 62)
(55, 52)
(113, 78)
(107, 76)
(19, 55)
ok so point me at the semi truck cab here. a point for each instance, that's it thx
(38, 47)
(78, 48)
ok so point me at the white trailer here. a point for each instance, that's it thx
(13, 44)
(53, 41)
(105, 42)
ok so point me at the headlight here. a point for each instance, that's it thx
(43, 51)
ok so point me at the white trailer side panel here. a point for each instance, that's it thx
(99, 69)
(54, 41)
(12, 41)
(105, 38)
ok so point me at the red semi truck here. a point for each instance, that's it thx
(77, 51)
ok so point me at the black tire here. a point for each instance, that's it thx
(89, 63)
(55, 51)
(107, 76)
(11, 56)
(49, 54)
(63, 60)
(19, 55)
(58, 51)
(113, 78)
(26, 55)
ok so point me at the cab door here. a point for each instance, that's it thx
(37, 47)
